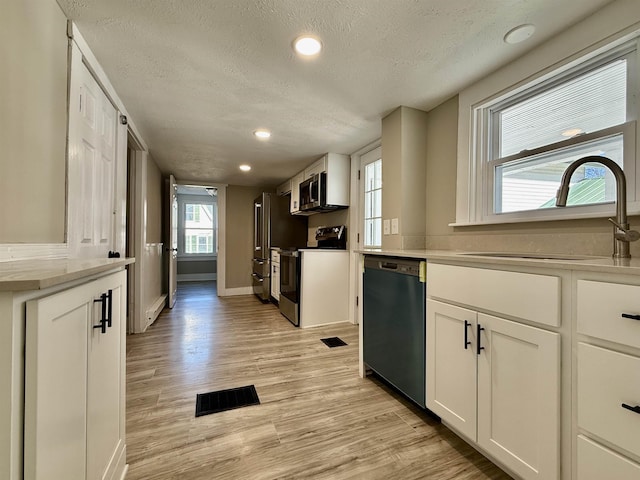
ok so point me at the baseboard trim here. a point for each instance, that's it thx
(197, 277)
(231, 292)
(155, 309)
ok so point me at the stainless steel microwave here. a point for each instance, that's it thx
(313, 192)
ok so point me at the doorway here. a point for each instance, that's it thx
(196, 235)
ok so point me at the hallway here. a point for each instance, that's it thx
(317, 417)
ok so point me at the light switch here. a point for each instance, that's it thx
(394, 226)
(386, 227)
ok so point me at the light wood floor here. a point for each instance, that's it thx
(317, 419)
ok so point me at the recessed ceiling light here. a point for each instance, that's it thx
(307, 45)
(245, 168)
(519, 33)
(262, 133)
(572, 132)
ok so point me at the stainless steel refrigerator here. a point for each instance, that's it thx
(273, 226)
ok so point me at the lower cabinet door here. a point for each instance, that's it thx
(55, 385)
(105, 429)
(519, 397)
(74, 383)
(451, 366)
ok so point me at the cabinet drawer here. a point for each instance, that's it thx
(606, 380)
(600, 308)
(275, 256)
(596, 462)
(523, 295)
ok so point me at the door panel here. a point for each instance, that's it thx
(519, 397)
(173, 241)
(103, 385)
(451, 368)
(92, 163)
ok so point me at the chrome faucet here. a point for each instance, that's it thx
(622, 234)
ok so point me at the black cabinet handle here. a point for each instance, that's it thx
(466, 334)
(103, 319)
(109, 307)
(631, 316)
(480, 347)
(635, 409)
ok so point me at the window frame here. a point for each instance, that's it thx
(183, 200)
(368, 158)
(480, 198)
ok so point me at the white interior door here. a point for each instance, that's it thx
(173, 241)
(92, 165)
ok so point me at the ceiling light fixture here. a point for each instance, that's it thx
(307, 45)
(519, 33)
(245, 168)
(262, 134)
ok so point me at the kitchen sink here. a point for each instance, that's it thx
(536, 256)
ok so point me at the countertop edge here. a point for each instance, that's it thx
(23, 275)
(591, 264)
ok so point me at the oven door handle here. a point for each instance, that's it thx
(289, 253)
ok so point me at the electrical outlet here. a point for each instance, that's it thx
(386, 227)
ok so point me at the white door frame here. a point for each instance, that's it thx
(356, 242)
(128, 136)
(356, 238)
(222, 218)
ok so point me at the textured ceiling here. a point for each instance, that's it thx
(199, 76)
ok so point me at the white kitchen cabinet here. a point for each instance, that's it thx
(608, 378)
(596, 462)
(316, 167)
(74, 382)
(338, 170)
(494, 381)
(295, 193)
(284, 188)
(452, 366)
(519, 396)
(324, 287)
(275, 274)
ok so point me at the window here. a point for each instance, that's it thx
(526, 139)
(199, 228)
(373, 203)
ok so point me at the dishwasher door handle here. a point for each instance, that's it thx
(388, 266)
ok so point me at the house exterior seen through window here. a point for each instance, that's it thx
(528, 138)
(199, 229)
(373, 204)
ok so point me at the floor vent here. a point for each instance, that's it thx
(333, 342)
(214, 402)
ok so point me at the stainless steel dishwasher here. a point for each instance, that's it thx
(393, 326)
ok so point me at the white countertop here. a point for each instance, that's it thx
(558, 261)
(23, 275)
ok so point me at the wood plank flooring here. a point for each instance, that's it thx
(317, 418)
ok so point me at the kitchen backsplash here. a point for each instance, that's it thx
(599, 244)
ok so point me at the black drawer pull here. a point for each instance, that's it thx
(635, 409)
(103, 319)
(480, 347)
(466, 334)
(631, 316)
(109, 308)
